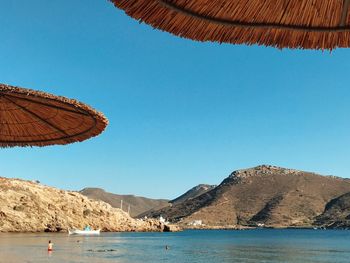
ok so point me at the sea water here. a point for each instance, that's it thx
(260, 245)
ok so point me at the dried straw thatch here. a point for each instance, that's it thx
(33, 118)
(305, 24)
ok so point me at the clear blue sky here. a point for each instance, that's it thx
(181, 112)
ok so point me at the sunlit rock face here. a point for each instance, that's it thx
(27, 206)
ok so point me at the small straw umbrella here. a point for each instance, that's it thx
(304, 24)
(34, 118)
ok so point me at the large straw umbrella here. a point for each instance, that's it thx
(305, 24)
(33, 118)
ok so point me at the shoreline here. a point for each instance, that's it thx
(182, 229)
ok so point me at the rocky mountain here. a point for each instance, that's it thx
(192, 193)
(336, 213)
(27, 206)
(137, 204)
(263, 195)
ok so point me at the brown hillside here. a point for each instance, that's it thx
(192, 193)
(137, 204)
(267, 195)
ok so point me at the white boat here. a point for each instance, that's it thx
(83, 232)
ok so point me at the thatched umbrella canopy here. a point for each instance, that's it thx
(305, 24)
(33, 118)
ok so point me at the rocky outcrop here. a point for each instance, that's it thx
(27, 206)
(261, 196)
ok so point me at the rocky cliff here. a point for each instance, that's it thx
(30, 206)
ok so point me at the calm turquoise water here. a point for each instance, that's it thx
(188, 246)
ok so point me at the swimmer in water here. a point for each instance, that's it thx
(50, 246)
